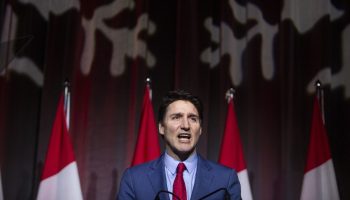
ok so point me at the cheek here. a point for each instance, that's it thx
(169, 132)
(172, 128)
(198, 130)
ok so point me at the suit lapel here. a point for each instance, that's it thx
(203, 180)
(156, 176)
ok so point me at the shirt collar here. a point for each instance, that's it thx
(171, 163)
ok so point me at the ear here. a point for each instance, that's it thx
(200, 131)
(161, 128)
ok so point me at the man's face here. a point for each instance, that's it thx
(181, 128)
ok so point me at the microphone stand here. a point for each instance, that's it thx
(166, 191)
(227, 195)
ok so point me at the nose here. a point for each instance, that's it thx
(185, 125)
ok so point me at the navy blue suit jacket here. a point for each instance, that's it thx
(144, 181)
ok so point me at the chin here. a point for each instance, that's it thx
(184, 148)
(185, 151)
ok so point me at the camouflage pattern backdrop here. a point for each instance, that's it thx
(271, 52)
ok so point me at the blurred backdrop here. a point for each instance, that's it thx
(271, 52)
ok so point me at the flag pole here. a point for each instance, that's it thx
(147, 144)
(319, 95)
(67, 101)
(231, 150)
(148, 84)
(319, 180)
(60, 177)
(230, 94)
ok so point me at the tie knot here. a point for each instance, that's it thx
(180, 168)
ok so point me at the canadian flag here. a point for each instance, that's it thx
(147, 145)
(60, 179)
(319, 177)
(231, 153)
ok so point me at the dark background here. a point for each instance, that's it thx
(271, 52)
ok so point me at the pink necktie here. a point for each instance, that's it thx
(179, 187)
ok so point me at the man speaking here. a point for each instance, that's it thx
(180, 173)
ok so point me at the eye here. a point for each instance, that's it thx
(194, 119)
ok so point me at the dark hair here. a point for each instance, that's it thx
(176, 95)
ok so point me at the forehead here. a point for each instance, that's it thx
(181, 106)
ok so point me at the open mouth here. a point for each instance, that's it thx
(184, 136)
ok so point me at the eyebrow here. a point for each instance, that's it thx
(174, 114)
(193, 115)
(180, 113)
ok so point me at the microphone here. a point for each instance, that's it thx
(227, 195)
(157, 197)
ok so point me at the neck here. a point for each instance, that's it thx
(180, 156)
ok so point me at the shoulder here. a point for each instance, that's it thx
(136, 181)
(217, 168)
(133, 175)
(221, 176)
(145, 167)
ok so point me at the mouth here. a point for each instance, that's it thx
(184, 136)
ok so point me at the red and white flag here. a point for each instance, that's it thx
(319, 176)
(231, 153)
(60, 179)
(147, 145)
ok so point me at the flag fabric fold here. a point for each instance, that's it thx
(319, 177)
(60, 179)
(147, 145)
(231, 152)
